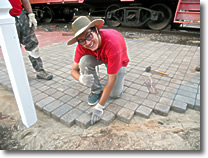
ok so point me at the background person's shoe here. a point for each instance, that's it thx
(197, 68)
(93, 98)
(44, 75)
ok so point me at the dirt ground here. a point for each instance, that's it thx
(174, 132)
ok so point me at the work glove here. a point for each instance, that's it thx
(97, 113)
(32, 20)
(86, 79)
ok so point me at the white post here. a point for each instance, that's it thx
(15, 66)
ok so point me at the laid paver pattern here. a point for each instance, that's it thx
(65, 99)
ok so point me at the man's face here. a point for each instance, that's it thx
(89, 40)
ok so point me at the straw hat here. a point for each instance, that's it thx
(81, 24)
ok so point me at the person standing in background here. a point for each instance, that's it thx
(26, 25)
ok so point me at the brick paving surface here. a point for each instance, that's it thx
(65, 99)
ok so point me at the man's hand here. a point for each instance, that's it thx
(86, 79)
(32, 20)
(97, 113)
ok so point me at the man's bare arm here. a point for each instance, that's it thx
(75, 71)
(107, 89)
(26, 4)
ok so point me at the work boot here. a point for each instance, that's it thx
(38, 66)
(197, 68)
(44, 75)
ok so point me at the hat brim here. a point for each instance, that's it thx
(97, 22)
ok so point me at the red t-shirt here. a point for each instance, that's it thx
(112, 51)
(16, 8)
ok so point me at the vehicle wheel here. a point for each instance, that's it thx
(38, 15)
(48, 14)
(162, 22)
(68, 14)
(175, 25)
(111, 21)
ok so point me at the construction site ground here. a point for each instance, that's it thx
(169, 120)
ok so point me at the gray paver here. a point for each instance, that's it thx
(171, 90)
(65, 98)
(44, 88)
(130, 79)
(189, 101)
(160, 87)
(83, 106)
(143, 111)
(137, 99)
(83, 120)
(135, 86)
(56, 114)
(153, 97)
(198, 96)
(82, 97)
(74, 102)
(50, 91)
(197, 105)
(131, 91)
(169, 95)
(189, 84)
(174, 85)
(57, 94)
(62, 88)
(107, 117)
(39, 97)
(35, 92)
(166, 101)
(120, 102)
(188, 88)
(178, 106)
(142, 94)
(89, 111)
(131, 105)
(39, 85)
(52, 106)
(125, 115)
(79, 87)
(144, 88)
(114, 108)
(186, 93)
(69, 118)
(72, 92)
(175, 81)
(149, 103)
(161, 109)
(44, 102)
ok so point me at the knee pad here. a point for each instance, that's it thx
(34, 53)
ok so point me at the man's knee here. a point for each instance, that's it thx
(116, 95)
(88, 61)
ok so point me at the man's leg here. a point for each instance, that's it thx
(28, 38)
(117, 90)
(38, 66)
(90, 62)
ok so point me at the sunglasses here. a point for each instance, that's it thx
(88, 37)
